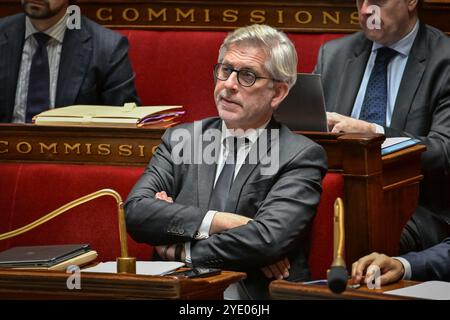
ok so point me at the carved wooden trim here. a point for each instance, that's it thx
(288, 15)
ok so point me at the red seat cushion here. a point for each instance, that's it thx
(37, 189)
(321, 253)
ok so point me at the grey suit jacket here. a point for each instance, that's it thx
(282, 205)
(422, 107)
(432, 263)
(94, 66)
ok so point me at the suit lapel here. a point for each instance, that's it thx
(11, 47)
(351, 79)
(206, 172)
(411, 78)
(75, 58)
(247, 168)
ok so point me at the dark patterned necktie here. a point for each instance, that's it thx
(38, 98)
(219, 195)
(375, 100)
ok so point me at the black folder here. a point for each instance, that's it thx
(40, 256)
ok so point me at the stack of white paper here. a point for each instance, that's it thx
(151, 268)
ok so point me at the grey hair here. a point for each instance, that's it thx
(282, 62)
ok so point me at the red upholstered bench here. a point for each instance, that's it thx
(175, 67)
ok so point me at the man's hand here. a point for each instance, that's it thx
(278, 270)
(391, 269)
(167, 252)
(223, 221)
(339, 123)
(162, 195)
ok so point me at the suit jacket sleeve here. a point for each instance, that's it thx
(282, 221)
(155, 221)
(318, 67)
(436, 159)
(118, 87)
(432, 263)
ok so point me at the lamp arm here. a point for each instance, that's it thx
(124, 263)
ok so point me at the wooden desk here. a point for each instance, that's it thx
(285, 290)
(21, 284)
(380, 193)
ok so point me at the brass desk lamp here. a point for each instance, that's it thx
(125, 264)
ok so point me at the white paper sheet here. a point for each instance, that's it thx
(151, 268)
(435, 290)
(391, 141)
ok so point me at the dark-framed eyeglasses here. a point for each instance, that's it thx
(245, 77)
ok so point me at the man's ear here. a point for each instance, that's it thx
(281, 90)
(413, 5)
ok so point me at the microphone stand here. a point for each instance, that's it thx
(338, 275)
(125, 264)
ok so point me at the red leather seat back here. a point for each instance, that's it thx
(30, 191)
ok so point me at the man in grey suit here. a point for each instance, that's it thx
(394, 78)
(254, 216)
(88, 65)
(430, 264)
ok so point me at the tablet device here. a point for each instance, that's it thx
(304, 107)
(40, 256)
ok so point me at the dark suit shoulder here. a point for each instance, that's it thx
(351, 41)
(212, 122)
(298, 143)
(193, 127)
(100, 34)
(435, 34)
(11, 21)
(437, 42)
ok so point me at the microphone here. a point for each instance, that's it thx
(125, 264)
(338, 275)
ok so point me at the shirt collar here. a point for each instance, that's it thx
(251, 134)
(56, 31)
(404, 45)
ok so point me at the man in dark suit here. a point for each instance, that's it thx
(430, 264)
(256, 220)
(43, 63)
(394, 78)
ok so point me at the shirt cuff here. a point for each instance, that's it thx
(378, 128)
(406, 266)
(187, 253)
(203, 231)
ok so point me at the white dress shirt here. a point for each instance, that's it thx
(406, 266)
(54, 48)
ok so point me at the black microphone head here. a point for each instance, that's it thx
(337, 279)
